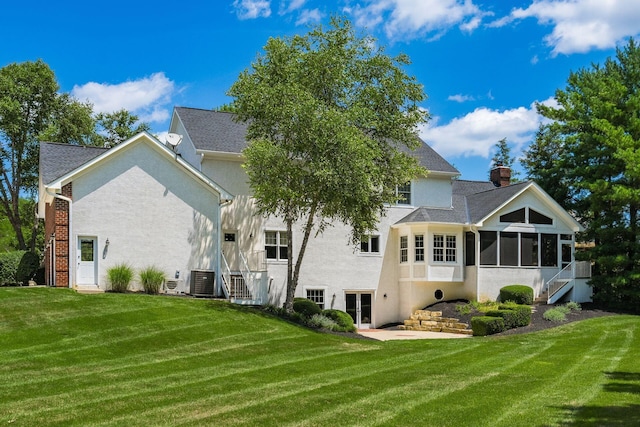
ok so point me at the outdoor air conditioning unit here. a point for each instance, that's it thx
(202, 283)
(174, 286)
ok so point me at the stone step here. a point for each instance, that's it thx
(88, 289)
(432, 321)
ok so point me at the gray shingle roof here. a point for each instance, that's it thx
(213, 130)
(457, 214)
(56, 160)
(218, 131)
(471, 200)
(464, 187)
(482, 204)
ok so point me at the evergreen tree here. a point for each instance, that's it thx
(592, 151)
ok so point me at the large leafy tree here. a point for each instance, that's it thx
(114, 128)
(32, 110)
(592, 152)
(331, 118)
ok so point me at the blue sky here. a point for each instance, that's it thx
(483, 64)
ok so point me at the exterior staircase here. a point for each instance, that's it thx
(432, 321)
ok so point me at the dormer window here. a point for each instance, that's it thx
(526, 216)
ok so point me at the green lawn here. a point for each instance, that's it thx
(113, 359)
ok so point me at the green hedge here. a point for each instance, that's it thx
(523, 313)
(486, 325)
(520, 294)
(306, 307)
(9, 263)
(344, 320)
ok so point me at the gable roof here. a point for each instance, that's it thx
(482, 204)
(217, 131)
(475, 201)
(61, 163)
(57, 159)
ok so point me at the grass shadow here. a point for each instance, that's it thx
(613, 415)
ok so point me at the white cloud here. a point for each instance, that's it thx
(582, 25)
(252, 9)
(147, 97)
(409, 19)
(476, 133)
(460, 98)
(293, 5)
(309, 15)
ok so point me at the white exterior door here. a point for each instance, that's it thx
(87, 262)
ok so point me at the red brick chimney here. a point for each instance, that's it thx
(500, 176)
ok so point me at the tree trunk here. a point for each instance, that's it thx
(294, 274)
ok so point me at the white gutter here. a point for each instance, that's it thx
(70, 202)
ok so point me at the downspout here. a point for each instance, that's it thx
(70, 202)
(219, 257)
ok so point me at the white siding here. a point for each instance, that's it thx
(151, 212)
(432, 192)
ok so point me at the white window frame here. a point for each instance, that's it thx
(445, 248)
(404, 192)
(279, 234)
(317, 295)
(418, 248)
(404, 249)
(368, 240)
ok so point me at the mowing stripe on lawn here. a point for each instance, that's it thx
(244, 399)
(121, 386)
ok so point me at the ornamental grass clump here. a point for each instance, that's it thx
(151, 279)
(120, 275)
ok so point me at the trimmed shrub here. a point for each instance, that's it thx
(306, 307)
(9, 262)
(486, 325)
(523, 313)
(27, 268)
(120, 276)
(509, 316)
(554, 315)
(520, 294)
(151, 279)
(343, 320)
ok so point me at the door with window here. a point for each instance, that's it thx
(566, 249)
(360, 308)
(87, 262)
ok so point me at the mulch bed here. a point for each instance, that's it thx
(538, 323)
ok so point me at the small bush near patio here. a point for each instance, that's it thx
(306, 307)
(120, 276)
(520, 294)
(486, 325)
(320, 321)
(559, 313)
(343, 320)
(573, 306)
(555, 315)
(151, 279)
